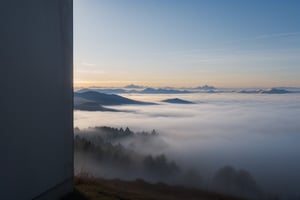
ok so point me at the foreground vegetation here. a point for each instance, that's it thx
(101, 189)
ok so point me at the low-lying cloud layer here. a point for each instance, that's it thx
(256, 132)
(117, 153)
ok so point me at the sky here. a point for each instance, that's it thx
(187, 43)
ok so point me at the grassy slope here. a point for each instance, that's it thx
(94, 189)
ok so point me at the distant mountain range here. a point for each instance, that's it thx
(268, 91)
(132, 86)
(178, 101)
(276, 91)
(141, 91)
(105, 90)
(205, 87)
(130, 89)
(163, 91)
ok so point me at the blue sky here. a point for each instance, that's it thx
(187, 43)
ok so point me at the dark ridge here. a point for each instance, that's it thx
(108, 99)
(92, 106)
(178, 101)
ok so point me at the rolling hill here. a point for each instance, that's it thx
(92, 106)
(107, 99)
(178, 101)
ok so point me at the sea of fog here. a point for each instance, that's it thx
(256, 132)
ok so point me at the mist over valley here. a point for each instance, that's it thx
(250, 137)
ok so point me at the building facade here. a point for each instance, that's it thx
(36, 99)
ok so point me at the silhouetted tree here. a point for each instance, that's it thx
(160, 166)
(239, 182)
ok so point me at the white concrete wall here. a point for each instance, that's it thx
(36, 117)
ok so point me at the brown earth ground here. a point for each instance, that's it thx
(96, 189)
